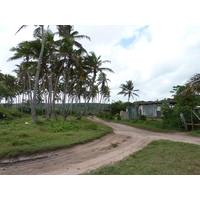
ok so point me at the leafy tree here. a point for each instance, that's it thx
(185, 103)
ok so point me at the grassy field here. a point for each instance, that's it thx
(158, 158)
(149, 124)
(21, 136)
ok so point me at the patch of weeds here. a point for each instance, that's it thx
(64, 126)
(23, 135)
(4, 132)
(90, 127)
(67, 134)
(114, 145)
(20, 142)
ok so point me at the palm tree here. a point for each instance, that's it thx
(93, 64)
(103, 82)
(40, 29)
(193, 85)
(128, 89)
(70, 55)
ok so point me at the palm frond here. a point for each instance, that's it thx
(23, 26)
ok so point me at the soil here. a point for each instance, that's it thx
(85, 157)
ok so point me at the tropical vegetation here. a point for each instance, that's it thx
(55, 67)
(22, 136)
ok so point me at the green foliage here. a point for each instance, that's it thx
(190, 100)
(23, 136)
(149, 124)
(40, 111)
(26, 110)
(65, 126)
(184, 104)
(116, 107)
(118, 116)
(143, 117)
(105, 115)
(9, 114)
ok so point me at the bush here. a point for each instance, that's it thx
(9, 114)
(143, 117)
(25, 110)
(64, 126)
(171, 117)
(105, 116)
(40, 111)
(118, 116)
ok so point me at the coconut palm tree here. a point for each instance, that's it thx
(128, 89)
(93, 64)
(69, 55)
(193, 85)
(40, 30)
(103, 83)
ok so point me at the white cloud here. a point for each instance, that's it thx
(158, 58)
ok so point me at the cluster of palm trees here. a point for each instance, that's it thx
(59, 70)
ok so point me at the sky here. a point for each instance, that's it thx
(154, 57)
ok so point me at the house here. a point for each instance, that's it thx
(151, 109)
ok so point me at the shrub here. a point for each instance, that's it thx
(105, 116)
(136, 119)
(118, 116)
(25, 110)
(64, 126)
(143, 117)
(9, 114)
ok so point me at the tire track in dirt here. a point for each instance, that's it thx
(85, 157)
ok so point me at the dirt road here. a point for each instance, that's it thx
(82, 158)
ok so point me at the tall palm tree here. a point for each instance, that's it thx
(93, 64)
(103, 82)
(36, 81)
(128, 89)
(70, 55)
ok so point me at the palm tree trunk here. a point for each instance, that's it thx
(49, 105)
(34, 103)
(54, 99)
(65, 91)
(89, 97)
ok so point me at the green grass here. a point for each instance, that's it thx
(196, 132)
(150, 124)
(155, 125)
(158, 158)
(19, 138)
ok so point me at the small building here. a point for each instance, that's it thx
(151, 109)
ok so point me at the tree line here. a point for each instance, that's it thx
(58, 70)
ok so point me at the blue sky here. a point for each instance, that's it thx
(126, 42)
